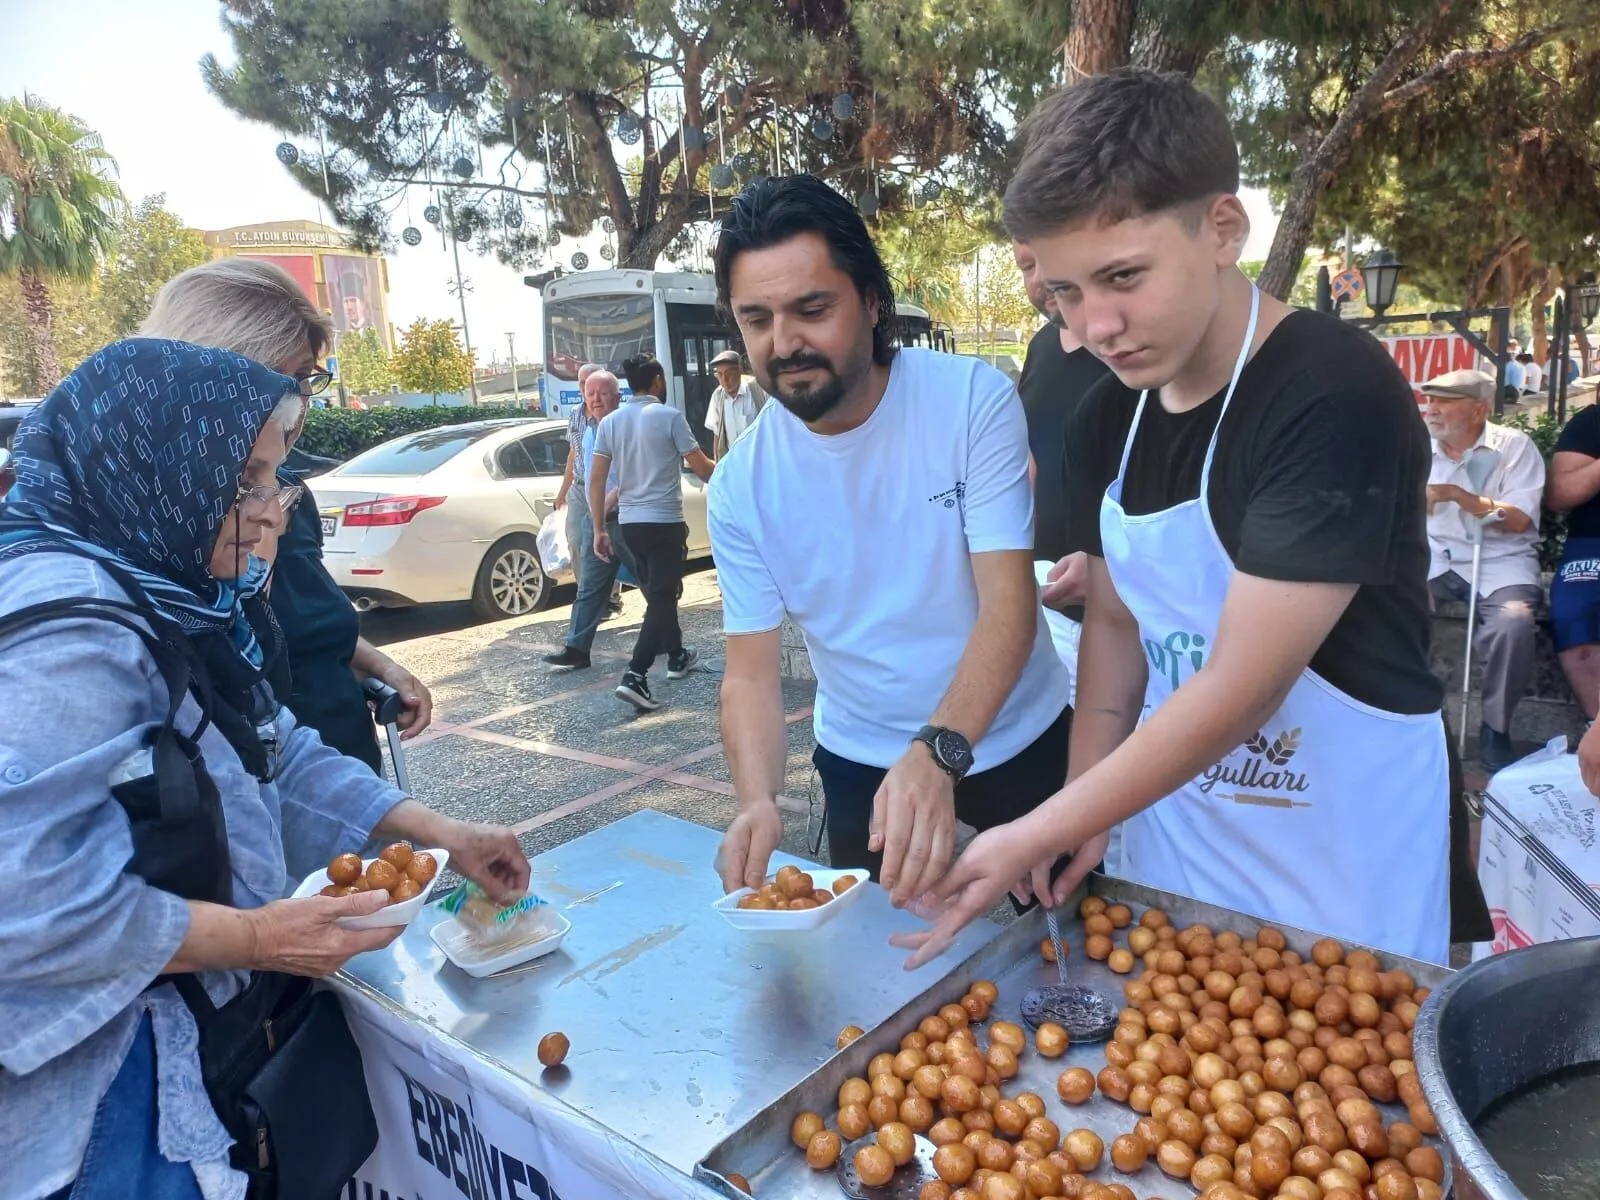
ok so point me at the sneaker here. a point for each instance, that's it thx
(682, 664)
(569, 659)
(635, 689)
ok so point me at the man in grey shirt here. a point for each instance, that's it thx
(637, 450)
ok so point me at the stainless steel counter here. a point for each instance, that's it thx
(683, 1028)
(763, 1153)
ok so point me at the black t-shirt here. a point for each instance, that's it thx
(1052, 386)
(1320, 476)
(1582, 436)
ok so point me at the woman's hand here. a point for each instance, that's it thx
(489, 856)
(302, 937)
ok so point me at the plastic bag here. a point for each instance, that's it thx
(555, 556)
(494, 928)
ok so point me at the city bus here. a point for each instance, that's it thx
(607, 316)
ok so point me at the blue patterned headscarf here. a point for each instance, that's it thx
(135, 457)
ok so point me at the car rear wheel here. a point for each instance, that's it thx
(511, 582)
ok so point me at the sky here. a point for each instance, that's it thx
(130, 70)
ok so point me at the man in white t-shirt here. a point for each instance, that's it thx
(884, 506)
(735, 403)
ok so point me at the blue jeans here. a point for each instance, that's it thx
(122, 1158)
(595, 577)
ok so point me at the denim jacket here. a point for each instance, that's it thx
(81, 940)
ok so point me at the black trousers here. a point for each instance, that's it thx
(658, 555)
(993, 797)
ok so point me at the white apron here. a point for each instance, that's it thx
(1334, 817)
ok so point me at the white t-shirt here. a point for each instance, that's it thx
(864, 539)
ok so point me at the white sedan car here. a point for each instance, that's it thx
(453, 514)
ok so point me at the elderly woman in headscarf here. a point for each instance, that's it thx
(254, 308)
(145, 482)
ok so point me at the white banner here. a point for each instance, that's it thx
(451, 1124)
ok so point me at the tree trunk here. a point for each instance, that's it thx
(1098, 39)
(41, 319)
(1541, 333)
(1170, 41)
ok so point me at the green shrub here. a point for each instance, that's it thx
(343, 433)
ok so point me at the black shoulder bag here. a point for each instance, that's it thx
(279, 1063)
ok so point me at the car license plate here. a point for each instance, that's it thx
(330, 526)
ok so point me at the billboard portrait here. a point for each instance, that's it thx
(355, 293)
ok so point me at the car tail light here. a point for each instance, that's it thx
(396, 510)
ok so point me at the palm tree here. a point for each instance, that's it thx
(59, 208)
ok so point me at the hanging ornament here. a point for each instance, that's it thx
(822, 129)
(743, 164)
(287, 154)
(607, 253)
(694, 139)
(868, 204)
(431, 214)
(439, 102)
(411, 235)
(462, 166)
(580, 261)
(608, 226)
(512, 217)
(629, 129)
(734, 94)
(722, 176)
(463, 231)
(516, 108)
(844, 106)
(555, 237)
(930, 190)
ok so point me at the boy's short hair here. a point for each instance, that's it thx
(1129, 143)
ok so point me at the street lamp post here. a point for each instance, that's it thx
(1380, 279)
(516, 388)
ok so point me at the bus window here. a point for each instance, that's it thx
(598, 329)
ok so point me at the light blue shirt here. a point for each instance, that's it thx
(80, 939)
(646, 441)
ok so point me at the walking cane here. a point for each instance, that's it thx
(1481, 462)
(387, 706)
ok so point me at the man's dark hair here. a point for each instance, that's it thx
(1129, 143)
(641, 372)
(1524, 357)
(777, 209)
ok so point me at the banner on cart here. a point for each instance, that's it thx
(441, 1134)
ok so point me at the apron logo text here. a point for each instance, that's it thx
(1263, 771)
(1168, 658)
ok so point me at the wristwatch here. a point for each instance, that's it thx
(950, 749)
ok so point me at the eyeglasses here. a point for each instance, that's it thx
(314, 382)
(286, 496)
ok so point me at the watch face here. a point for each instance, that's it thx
(953, 750)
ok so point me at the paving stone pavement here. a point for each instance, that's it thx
(556, 755)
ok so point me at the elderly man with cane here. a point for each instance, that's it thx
(1484, 490)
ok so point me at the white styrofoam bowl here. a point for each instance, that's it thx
(393, 914)
(451, 937)
(783, 921)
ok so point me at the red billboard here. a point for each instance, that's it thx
(302, 269)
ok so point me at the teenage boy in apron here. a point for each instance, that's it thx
(1254, 695)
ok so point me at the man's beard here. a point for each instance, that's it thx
(813, 401)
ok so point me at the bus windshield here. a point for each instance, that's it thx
(597, 329)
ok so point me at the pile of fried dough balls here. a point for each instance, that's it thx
(1254, 1074)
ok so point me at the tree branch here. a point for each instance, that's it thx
(1461, 60)
(616, 188)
